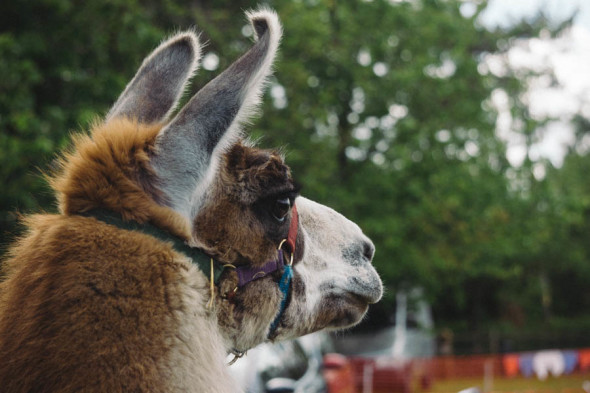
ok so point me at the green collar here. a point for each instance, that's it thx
(198, 257)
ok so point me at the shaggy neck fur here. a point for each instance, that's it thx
(88, 300)
(111, 170)
(90, 307)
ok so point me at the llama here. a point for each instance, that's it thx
(177, 243)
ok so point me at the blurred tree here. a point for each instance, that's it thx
(62, 62)
(403, 140)
(568, 252)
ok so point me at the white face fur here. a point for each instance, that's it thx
(335, 271)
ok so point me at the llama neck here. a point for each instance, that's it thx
(198, 351)
(196, 255)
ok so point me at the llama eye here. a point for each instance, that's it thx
(281, 208)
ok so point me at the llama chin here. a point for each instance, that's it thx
(177, 242)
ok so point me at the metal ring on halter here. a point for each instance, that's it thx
(281, 245)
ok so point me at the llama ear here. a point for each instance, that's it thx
(192, 142)
(154, 91)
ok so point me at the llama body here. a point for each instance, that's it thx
(92, 306)
(111, 311)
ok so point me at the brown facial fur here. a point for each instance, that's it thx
(244, 319)
(247, 176)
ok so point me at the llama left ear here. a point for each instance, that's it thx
(190, 145)
(154, 91)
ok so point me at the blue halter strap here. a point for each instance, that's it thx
(285, 288)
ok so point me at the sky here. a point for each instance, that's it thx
(568, 56)
(504, 12)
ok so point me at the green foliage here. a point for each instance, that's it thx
(383, 109)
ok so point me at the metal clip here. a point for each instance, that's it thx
(237, 355)
(290, 263)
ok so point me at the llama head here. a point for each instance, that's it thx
(195, 176)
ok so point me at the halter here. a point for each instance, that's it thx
(197, 256)
(246, 274)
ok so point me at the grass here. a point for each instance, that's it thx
(563, 384)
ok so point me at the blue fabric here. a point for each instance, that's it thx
(571, 361)
(525, 363)
(284, 287)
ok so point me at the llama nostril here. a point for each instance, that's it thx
(368, 250)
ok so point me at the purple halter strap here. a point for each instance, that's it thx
(247, 274)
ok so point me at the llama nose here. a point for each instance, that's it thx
(368, 249)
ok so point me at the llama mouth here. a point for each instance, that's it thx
(348, 310)
(357, 300)
(355, 290)
(369, 289)
(366, 298)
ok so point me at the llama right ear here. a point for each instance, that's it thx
(189, 147)
(158, 84)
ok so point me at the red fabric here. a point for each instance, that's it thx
(339, 374)
(510, 365)
(584, 359)
(293, 229)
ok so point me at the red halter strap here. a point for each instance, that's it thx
(293, 229)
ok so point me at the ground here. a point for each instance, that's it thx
(564, 384)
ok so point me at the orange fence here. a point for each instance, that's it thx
(453, 367)
(391, 375)
(506, 365)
